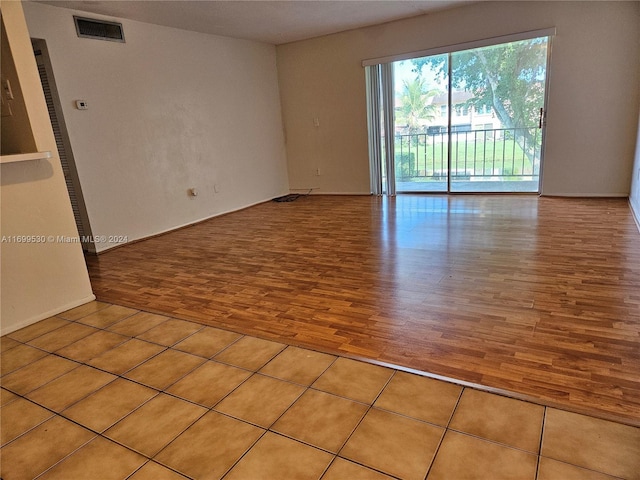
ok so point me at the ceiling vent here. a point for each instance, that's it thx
(99, 29)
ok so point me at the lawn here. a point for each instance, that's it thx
(473, 155)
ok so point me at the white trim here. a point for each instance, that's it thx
(368, 194)
(585, 195)
(514, 37)
(50, 313)
(24, 157)
(634, 214)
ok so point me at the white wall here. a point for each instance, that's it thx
(634, 197)
(168, 110)
(45, 278)
(593, 97)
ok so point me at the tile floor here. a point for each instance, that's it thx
(106, 392)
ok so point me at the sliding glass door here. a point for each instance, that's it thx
(470, 120)
(421, 120)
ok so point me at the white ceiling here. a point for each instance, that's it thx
(273, 22)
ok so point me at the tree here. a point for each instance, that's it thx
(415, 105)
(509, 78)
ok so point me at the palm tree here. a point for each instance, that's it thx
(415, 105)
(413, 108)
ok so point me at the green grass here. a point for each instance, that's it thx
(503, 157)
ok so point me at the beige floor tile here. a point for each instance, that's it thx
(394, 444)
(592, 443)
(110, 404)
(549, 469)
(209, 383)
(126, 356)
(420, 397)
(298, 365)
(83, 310)
(107, 316)
(150, 428)
(70, 387)
(7, 343)
(34, 452)
(36, 374)
(6, 397)
(260, 400)
(92, 346)
(250, 353)
(321, 419)
(207, 342)
(137, 324)
(165, 369)
(153, 471)
(464, 457)
(501, 419)
(61, 337)
(98, 459)
(19, 417)
(18, 357)
(279, 457)
(210, 447)
(170, 332)
(37, 329)
(355, 380)
(342, 469)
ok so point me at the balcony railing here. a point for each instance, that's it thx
(500, 154)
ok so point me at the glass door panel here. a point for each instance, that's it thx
(498, 98)
(421, 119)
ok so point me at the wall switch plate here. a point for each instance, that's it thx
(82, 105)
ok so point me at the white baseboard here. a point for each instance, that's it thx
(585, 195)
(340, 193)
(635, 214)
(50, 313)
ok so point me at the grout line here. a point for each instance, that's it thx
(39, 475)
(435, 452)
(246, 452)
(152, 461)
(455, 407)
(542, 427)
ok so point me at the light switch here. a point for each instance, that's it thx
(82, 105)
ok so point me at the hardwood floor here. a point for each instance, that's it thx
(537, 296)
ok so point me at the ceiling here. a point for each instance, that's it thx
(274, 22)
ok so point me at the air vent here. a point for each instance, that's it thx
(99, 29)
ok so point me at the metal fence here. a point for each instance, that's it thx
(492, 154)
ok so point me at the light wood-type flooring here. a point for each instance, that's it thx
(535, 296)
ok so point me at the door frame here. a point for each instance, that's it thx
(380, 88)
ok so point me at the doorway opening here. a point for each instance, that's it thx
(469, 120)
